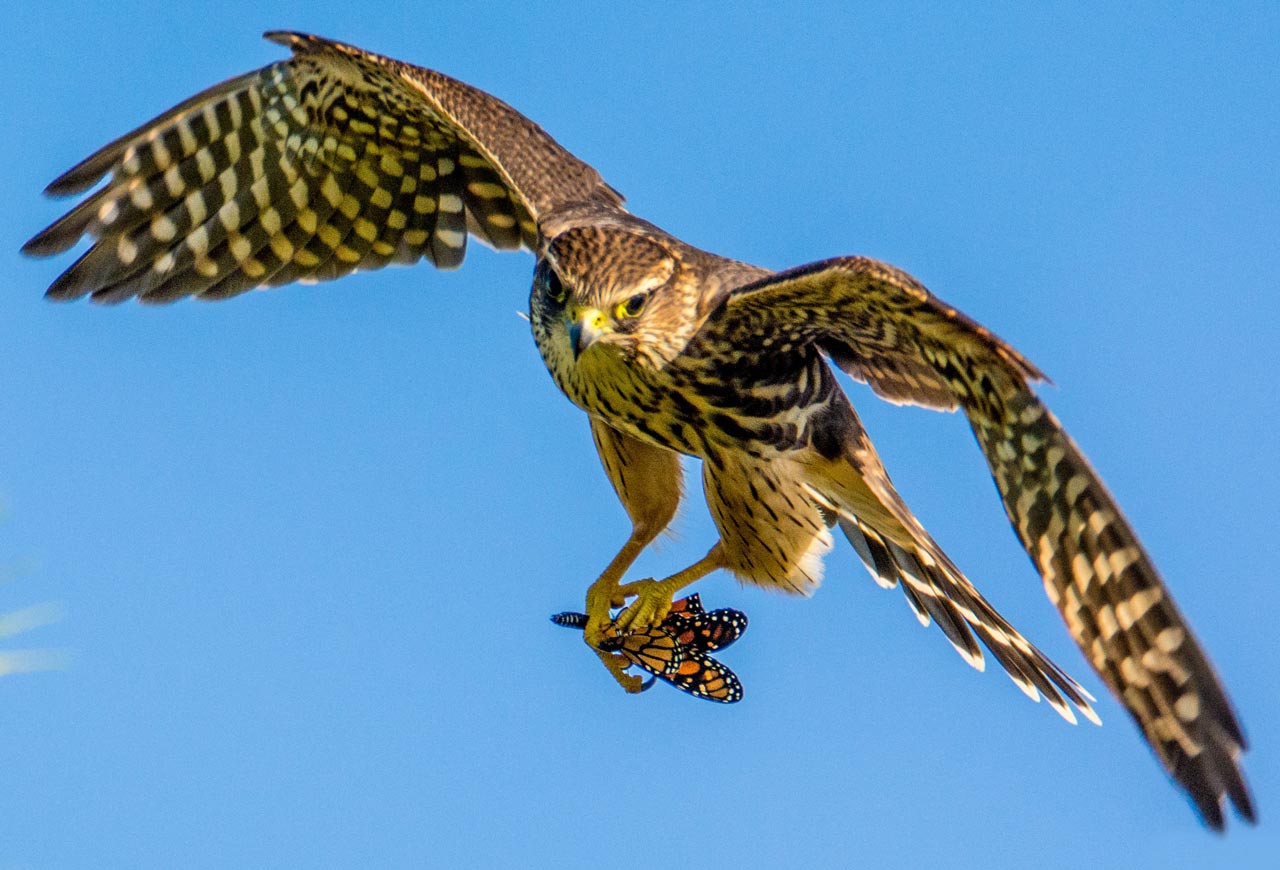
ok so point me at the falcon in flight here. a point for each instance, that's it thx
(337, 159)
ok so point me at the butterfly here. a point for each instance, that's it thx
(675, 650)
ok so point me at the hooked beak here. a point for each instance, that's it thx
(585, 326)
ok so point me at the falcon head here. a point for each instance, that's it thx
(610, 292)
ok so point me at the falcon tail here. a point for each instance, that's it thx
(897, 551)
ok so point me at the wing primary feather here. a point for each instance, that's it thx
(409, 160)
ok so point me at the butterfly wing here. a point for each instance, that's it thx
(654, 649)
(675, 651)
(706, 631)
(703, 677)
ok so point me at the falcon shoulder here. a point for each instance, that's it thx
(332, 160)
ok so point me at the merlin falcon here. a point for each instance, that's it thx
(336, 159)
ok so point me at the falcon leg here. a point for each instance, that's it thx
(647, 481)
(653, 597)
(606, 592)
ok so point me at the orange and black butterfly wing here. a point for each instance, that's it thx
(678, 619)
(719, 628)
(654, 649)
(707, 631)
(687, 606)
(703, 677)
(676, 650)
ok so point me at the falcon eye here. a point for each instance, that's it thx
(556, 291)
(633, 306)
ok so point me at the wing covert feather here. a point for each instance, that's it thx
(877, 323)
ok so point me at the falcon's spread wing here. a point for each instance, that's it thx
(308, 169)
(884, 328)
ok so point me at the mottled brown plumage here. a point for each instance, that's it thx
(337, 159)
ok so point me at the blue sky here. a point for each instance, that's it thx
(305, 542)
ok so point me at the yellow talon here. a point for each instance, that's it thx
(616, 664)
(602, 597)
(652, 604)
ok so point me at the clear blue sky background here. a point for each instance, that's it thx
(306, 542)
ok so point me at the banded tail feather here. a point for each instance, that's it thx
(937, 592)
